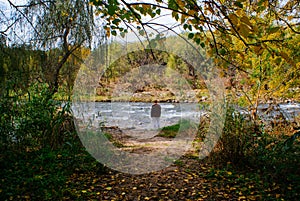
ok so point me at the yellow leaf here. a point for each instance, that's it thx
(255, 28)
(252, 197)
(258, 50)
(146, 6)
(246, 20)
(107, 29)
(191, 12)
(266, 3)
(210, 9)
(233, 18)
(181, 3)
(183, 18)
(285, 56)
(244, 30)
(240, 12)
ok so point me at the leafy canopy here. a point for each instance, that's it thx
(259, 37)
(259, 25)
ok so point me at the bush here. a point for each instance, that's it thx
(278, 154)
(243, 142)
(237, 138)
(33, 119)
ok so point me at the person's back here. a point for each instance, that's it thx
(156, 110)
(155, 114)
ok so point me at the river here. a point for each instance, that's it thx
(136, 115)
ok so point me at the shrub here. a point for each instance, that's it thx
(237, 138)
(278, 154)
(244, 143)
(33, 119)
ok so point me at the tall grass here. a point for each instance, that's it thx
(276, 151)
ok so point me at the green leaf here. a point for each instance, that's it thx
(278, 61)
(197, 40)
(112, 10)
(272, 30)
(222, 52)
(116, 21)
(260, 9)
(238, 4)
(175, 15)
(191, 35)
(158, 11)
(185, 26)
(290, 141)
(172, 4)
(122, 34)
(152, 14)
(141, 9)
(152, 44)
(142, 32)
(113, 32)
(126, 16)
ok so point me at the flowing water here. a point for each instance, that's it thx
(136, 115)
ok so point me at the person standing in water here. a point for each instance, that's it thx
(155, 114)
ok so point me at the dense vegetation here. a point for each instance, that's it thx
(254, 44)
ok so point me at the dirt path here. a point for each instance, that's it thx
(135, 139)
(144, 141)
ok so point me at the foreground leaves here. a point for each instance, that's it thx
(78, 177)
(190, 179)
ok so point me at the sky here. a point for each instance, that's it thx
(165, 18)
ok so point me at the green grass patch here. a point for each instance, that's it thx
(171, 131)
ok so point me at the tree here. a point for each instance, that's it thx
(57, 27)
(250, 37)
(214, 24)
